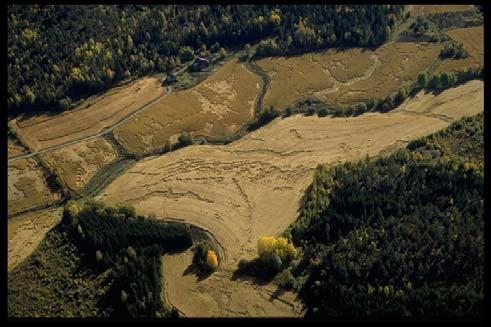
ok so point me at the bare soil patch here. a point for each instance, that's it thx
(27, 185)
(253, 187)
(78, 163)
(27, 231)
(91, 117)
(215, 108)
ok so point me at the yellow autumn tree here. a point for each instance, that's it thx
(211, 260)
(280, 246)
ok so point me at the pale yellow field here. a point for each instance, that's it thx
(253, 187)
(215, 108)
(27, 185)
(78, 163)
(91, 117)
(438, 9)
(27, 231)
(368, 74)
(473, 40)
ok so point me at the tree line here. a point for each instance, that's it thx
(131, 246)
(402, 235)
(58, 54)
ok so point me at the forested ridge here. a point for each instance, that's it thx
(399, 235)
(113, 242)
(58, 54)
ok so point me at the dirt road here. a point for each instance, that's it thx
(93, 136)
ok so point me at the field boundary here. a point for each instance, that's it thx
(101, 133)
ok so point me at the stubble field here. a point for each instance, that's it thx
(215, 108)
(253, 187)
(438, 9)
(14, 147)
(78, 163)
(91, 117)
(348, 75)
(473, 40)
(27, 231)
(27, 185)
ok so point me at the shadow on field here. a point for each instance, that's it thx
(277, 294)
(253, 271)
(194, 270)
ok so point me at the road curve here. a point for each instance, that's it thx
(103, 132)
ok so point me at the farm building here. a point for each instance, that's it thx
(169, 79)
(199, 63)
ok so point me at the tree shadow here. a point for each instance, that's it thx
(277, 293)
(200, 274)
(303, 199)
(254, 272)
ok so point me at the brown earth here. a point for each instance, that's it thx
(27, 185)
(27, 231)
(367, 74)
(91, 117)
(473, 40)
(78, 163)
(215, 108)
(253, 187)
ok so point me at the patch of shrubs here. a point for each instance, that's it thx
(274, 255)
(453, 49)
(264, 117)
(205, 257)
(185, 139)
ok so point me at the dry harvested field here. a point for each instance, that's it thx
(14, 147)
(253, 187)
(91, 117)
(454, 108)
(215, 108)
(294, 77)
(78, 163)
(473, 40)
(27, 231)
(27, 185)
(417, 10)
(354, 74)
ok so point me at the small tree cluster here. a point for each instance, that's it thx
(264, 117)
(274, 252)
(453, 49)
(185, 139)
(205, 257)
(420, 26)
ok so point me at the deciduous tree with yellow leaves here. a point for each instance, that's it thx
(211, 260)
(279, 246)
